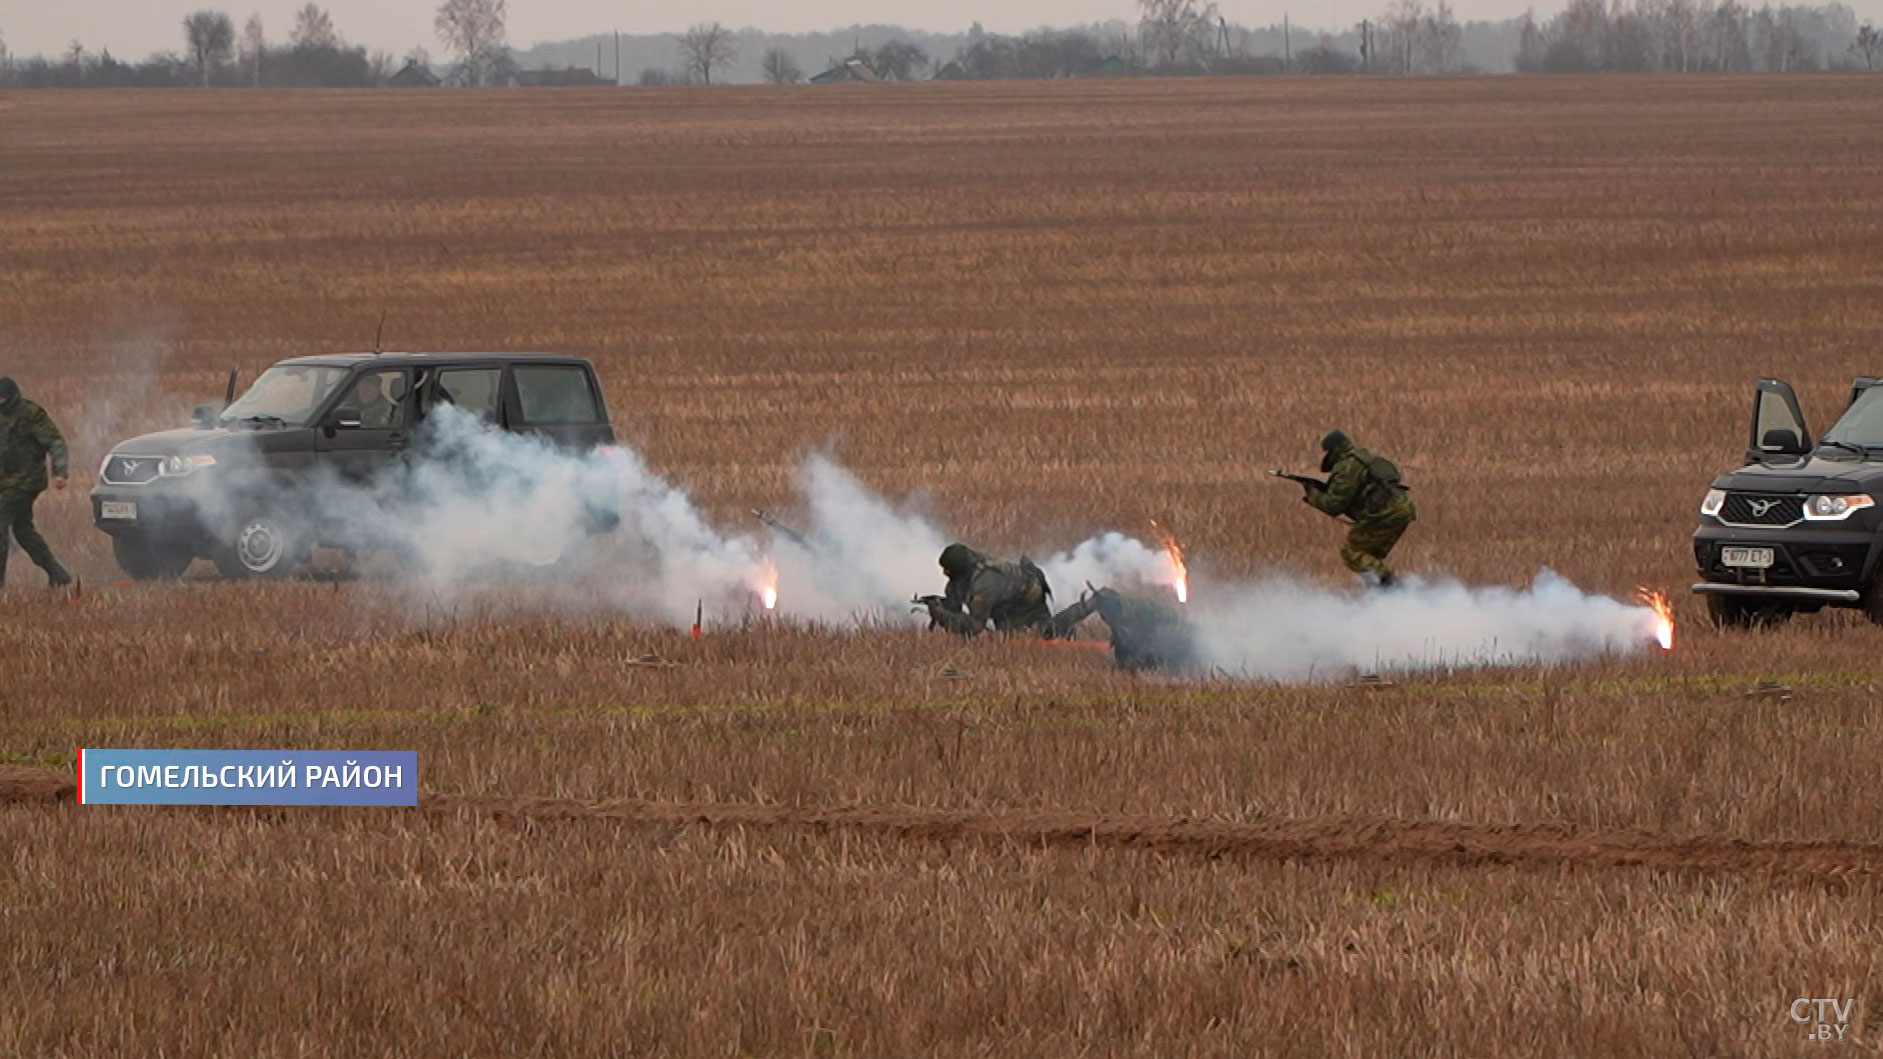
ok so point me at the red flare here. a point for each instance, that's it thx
(1663, 615)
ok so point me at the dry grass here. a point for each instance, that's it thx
(1054, 309)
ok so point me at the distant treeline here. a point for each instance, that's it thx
(315, 56)
(341, 67)
(1682, 36)
(1171, 37)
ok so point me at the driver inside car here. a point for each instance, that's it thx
(378, 410)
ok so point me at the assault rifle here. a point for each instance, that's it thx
(1302, 480)
(931, 604)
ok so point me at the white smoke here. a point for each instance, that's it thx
(479, 502)
(861, 557)
(1109, 560)
(1283, 629)
(601, 529)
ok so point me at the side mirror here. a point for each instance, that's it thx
(203, 416)
(345, 417)
(1783, 442)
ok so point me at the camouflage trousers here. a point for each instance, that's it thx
(1371, 540)
(16, 521)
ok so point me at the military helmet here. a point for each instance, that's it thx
(8, 390)
(1334, 441)
(959, 560)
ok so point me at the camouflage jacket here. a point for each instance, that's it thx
(27, 439)
(1360, 485)
(1010, 595)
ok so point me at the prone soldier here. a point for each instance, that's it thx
(982, 590)
(1145, 633)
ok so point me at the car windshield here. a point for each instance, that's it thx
(288, 393)
(1861, 425)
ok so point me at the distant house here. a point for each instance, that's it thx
(415, 75)
(573, 77)
(851, 69)
(951, 71)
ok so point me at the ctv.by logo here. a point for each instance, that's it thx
(1827, 1018)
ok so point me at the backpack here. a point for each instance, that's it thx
(1383, 470)
(1036, 575)
(1383, 482)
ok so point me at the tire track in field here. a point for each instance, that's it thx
(1390, 840)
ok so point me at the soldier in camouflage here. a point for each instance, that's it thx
(1365, 488)
(1146, 633)
(27, 440)
(1012, 596)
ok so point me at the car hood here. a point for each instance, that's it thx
(178, 442)
(1813, 474)
(230, 445)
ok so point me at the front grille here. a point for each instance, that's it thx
(132, 470)
(1762, 509)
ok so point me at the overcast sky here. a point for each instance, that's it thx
(134, 28)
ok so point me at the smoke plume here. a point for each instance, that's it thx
(1284, 629)
(601, 529)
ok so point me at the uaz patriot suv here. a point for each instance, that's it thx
(1799, 527)
(236, 486)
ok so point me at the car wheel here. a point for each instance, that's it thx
(143, 559)
(1873, 599)
(261, 546)
(1738, 612)
(539, 552)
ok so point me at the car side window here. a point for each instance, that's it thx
(473, 390)
(555, 394)
(380, 397)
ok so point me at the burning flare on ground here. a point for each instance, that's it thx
(1180, 574)
(1663, 615)
(768, 589)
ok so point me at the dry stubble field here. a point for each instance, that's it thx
(1052, 309)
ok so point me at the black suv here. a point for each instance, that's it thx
(234, 487)
(1799, 526)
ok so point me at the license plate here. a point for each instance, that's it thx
(1754, 558)
(124, 509)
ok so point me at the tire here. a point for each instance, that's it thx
(144, 559)
(261, 546)
(537, 553)
(1873, 599)
(1738, 612)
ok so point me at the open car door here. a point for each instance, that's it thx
(1778, 425)
(1860, 384)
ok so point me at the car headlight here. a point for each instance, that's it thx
(173, 466)
(1715, 499)
(1832, 508)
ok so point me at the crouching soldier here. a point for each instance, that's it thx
(1145, 633)
(1012, 596)
(1364, 487)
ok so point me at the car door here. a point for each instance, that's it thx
(1860, 385)
(365, 429)
(474, 389)
(559, 401)
(1778, 424)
